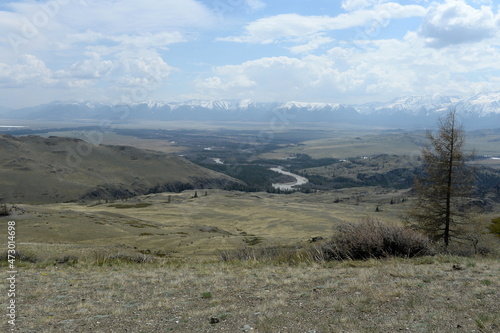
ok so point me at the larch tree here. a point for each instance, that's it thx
(446, 184)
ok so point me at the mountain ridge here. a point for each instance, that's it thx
(480, 110)
(56, 169)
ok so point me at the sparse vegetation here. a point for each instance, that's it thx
(21, 256)
(137, 205)
(373, 239)
(4, 211)
(233, 261)
(494, 227)
(253, 240)
(206, 295)
(183, 296)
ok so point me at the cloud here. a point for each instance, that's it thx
(27, 71)
(255, 5)
(90, 69)
(313, 43)
(455, 22)
(271, 29)
(106, 46)
(29, 26)
(369, 71)
(290, 27)
(106, 49)
(132, 17)
(350, 5)
(311, 78)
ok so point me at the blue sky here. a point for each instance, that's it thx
(351, 51)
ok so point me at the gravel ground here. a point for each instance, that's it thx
(421, 295)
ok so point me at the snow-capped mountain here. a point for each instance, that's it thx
(481, 105)
(309, 106)
(478, 111)
(417, 104)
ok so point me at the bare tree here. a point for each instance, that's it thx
(440, 209)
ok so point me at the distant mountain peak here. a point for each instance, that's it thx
(404, 111)
(310, 106)
(418, 103)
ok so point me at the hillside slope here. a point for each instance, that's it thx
(42, 170)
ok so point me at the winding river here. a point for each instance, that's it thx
(299, 180)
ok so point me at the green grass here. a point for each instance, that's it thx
(206, 295)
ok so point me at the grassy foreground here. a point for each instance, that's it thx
(151, 265)
(428, 294)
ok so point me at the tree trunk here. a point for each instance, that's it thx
(448, 187)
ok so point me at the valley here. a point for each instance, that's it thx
(169, 208)
(220, 180)
(250, 166)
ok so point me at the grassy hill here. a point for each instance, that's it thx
(45, 170)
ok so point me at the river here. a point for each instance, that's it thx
(299, 180)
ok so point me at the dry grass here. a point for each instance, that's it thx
(180, 225)
(93, 273)
(417, 295)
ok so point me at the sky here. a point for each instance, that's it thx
(350, 51)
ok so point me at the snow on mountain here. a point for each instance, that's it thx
(417, 104)
(247, 103)
(151, 104)
(309, 106)
(408, 111)
(208, 104)
(481, 105)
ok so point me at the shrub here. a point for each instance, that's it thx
(21, 256)
(374, 239)
(132, 259)
(4, 211)
(494, 227)
(67, 259)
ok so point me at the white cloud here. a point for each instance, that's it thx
(28, 70)
(455, 22)
(350, 5)
(93, 68)
(102, 46)
(104, 49)
(271, 29)
(255, 5)
(312, 43)
(374, 70)
(132, 17)
(291, 26)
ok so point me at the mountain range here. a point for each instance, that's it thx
(479, 111)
